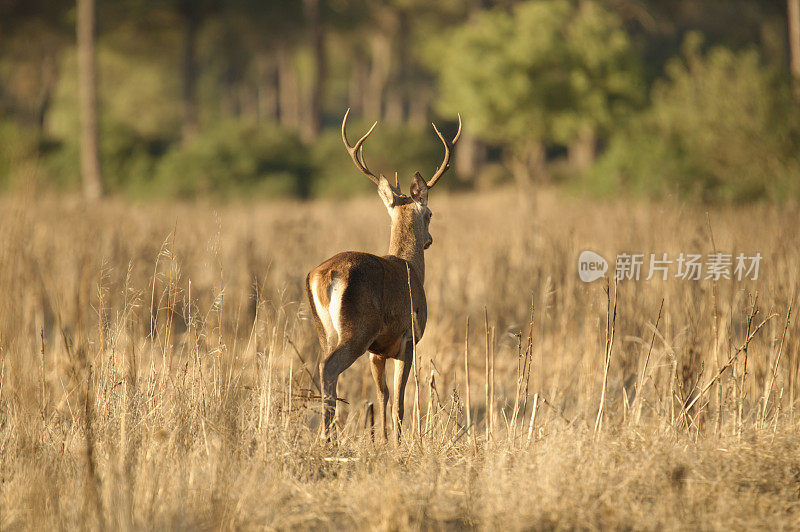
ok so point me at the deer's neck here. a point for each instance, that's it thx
(407, 243)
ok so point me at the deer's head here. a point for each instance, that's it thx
(409, 212)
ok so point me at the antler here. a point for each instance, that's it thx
(448, 148)
(357, 152)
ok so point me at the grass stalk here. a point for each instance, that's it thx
(643, 373)
(774, 373)
(468, 402)
(611, 317)
(415, 367)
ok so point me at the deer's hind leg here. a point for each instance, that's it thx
(378, 365)
(334, 364)
(401, 372)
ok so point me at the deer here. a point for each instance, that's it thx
(362, 302)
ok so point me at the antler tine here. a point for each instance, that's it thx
(356, 152)
(363, 161)
(448, 148)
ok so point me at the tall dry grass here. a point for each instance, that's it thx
(158, 370)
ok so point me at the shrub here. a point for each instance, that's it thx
(717, 130)
(130, 158)
(237, 158)
(404, 149)
(17, 144)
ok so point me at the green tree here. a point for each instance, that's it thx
(550, 71)
(721, 127)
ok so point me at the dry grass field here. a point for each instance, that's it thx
(158, 371)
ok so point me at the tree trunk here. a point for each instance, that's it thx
(468, 155)
(528, 163)
(267, 91)
(313, 122)
(394, 105)
(397, 94)
(378, 76)
(47, 87)
(288, 90)
(583, 149)
(91, 176)
(191, 22)
(358, 81)
(418, 109)
(793, 12)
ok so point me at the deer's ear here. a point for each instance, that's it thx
(386, 193)
(419, 189)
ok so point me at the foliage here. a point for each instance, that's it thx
(389, 148)
(530, 78)
(237, 157)
(721, 128)
(17, 144)
(545, 70)
(137, 125)
(129, 159)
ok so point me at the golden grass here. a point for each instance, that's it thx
(158, 366)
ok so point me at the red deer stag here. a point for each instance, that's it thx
(361, 301)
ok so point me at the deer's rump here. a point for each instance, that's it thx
(355, 293)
